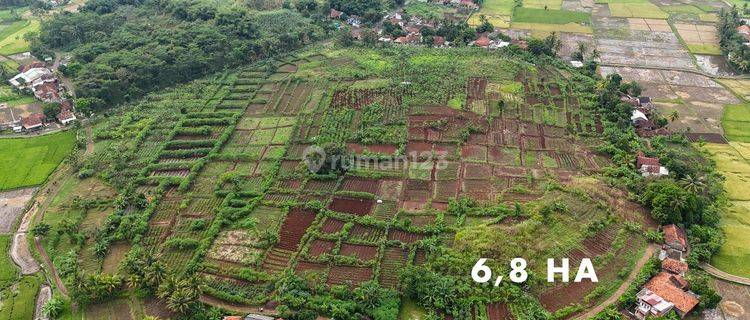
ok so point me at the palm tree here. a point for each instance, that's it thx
(694, 184)
(180, 301)
(674, 116)
(134, 281)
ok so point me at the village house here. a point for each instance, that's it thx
(744, 31)
(674, 238)
(34, 121)
(335, 14)
(651, 305)
(650, 167)
(674, 266)
(673, 289)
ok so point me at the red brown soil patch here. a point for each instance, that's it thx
(361, 252)
(349, 275)
(413, 206)
(420, 257)
(418, 147)
(288, 184)
(707, 137)
(445, 190)
(295, 224)
(404, 236)
(474, 152)
(477, 171)
(361, 185)
(355, 206)
(319, 247)
(498, 311)
(501, 171)
(332, 226)
(321, 185)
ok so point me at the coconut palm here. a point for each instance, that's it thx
(694, 184)
(673, 116)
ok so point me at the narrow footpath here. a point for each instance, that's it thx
(650, 251)
(723, 275)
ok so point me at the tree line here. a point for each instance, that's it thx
(124, 49)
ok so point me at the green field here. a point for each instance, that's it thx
(736, 122)
(710, 49)
(13, 38)
(541, 4)
(19, 302)
(28, 161)
(532, 15)
(497, 12)
(8, 271)
(637, 10)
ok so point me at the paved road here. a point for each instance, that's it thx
(723, 275)
(650, 251)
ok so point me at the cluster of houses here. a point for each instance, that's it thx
(642, 117)
(413, 26)
(39, 80)
(668, 290)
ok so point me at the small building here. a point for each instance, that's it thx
(576, 63)
(66, 116)
(675, 237)
(438, 41)
(744, 31)
(483, 42)
(651, 305)
(34, 121)
(650, 167)
(335, 14)
(673, 288)
(638, 116)
(29, 77)
(674, 266)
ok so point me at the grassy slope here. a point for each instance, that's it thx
(28, 161)
(734, 161)
(15, 42)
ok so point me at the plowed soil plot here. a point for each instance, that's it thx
(366, 233)
(417, 148)
(420, 257)
(474, 152)
(296, 223)
(349, 275)
(393, 260)
(361, 185)
(332, 226)
(404, 236)
(498, 311)
(312, 267)
(480, 190)
(445, 190)
(321, 185)
(319, 247)
(563, 296)
(361, 252)
(358, 207)
(477, 171)
(418, 190)
(475, 87)
(707, 137)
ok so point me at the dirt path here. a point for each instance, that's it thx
(55, 276)
(723, 275)
(243, 309)
(650, 251)
(45, 294)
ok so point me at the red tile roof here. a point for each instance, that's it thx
(674, 266)
(438, 40)
(673, 234)
(65, 115)
(642, 160)
(34, 120)
(664, 285)
(30, 66)
(483, 41)
(335, 13)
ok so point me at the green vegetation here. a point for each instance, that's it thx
(736, 122)
(28, 161)
(732, 42)
(16, 42)
(636, 10)
(550, 16)
(19, 301)
(8, 269)
(189, 39)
